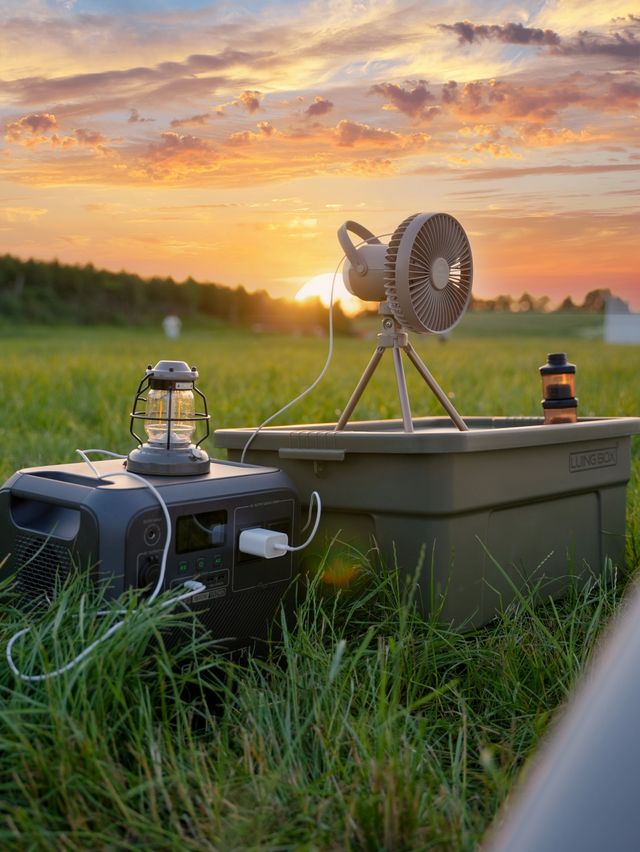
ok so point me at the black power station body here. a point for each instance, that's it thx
(57, 519)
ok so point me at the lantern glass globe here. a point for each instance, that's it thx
(170, 413)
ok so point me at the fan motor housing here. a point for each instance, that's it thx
(366, 280)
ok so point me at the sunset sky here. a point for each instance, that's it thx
(228, 141)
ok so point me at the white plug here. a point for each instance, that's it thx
(264, 543)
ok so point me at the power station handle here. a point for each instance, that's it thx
(52, 491)
(311, 454)
(348, 247)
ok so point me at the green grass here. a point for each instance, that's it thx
(370, 728)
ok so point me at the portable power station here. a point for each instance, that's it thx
(59, 519)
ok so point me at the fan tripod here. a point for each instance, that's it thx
(395, 338)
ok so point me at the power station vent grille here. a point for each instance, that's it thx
(43, 566)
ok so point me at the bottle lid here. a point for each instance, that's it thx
(557, 363)
(572, 402)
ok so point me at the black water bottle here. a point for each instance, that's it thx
(559, 389)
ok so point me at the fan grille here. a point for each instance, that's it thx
(428, 272)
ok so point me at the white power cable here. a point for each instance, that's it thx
(194, 587)
(311, 535)
(313, 385)
(322, 372)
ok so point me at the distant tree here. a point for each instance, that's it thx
(503, 304)
(567, 305)
(542, 304)
(526, 302)
(595, 301)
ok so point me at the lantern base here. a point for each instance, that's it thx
(158, 461)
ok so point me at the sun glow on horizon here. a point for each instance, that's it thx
(319, 287)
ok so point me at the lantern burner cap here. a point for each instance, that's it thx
(177, 461)
(172, 371)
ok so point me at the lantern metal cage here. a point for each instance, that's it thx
(173, 420)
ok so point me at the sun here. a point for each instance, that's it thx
(319, 287)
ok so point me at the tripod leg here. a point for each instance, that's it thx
(444, 400)
(364, 381)
(402, 390)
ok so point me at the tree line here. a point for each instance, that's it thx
(594, 303)
(53, 292)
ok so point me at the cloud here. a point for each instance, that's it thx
(627, 92)
(23, 214)
(266, 128)
(546, 137)
(250, 100)
(510, 33)
(33, 129)
(148, 84)
(90, 138)
(508, 101)
(135, 117)
(497, 149)
(33, 125)
(320, 106)
(373, 167)
(412, 102)
(350, 133)
(242, 137)
(192, 121)
(621, 44)
(178, 154)
(618, 44)
(529, 171)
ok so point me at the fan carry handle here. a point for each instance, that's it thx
(363, 270)
(356, 259)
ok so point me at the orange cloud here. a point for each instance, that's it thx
(413, 102)
(32, 127)
(320, 106)
(193, 121)
(547, 137)
(497, 149)
(349, 133)
(250, 100)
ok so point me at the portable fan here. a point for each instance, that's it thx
(422, 279)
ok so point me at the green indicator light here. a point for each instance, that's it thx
(183, 567)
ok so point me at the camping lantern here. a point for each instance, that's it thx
(166, 403)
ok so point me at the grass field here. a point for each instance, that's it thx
(370, 728)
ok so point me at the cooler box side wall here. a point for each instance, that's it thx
(476, 528)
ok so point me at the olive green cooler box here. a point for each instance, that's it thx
(480, 515)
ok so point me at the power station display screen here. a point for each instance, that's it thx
(200, 531)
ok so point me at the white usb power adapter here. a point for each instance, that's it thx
(264, 543)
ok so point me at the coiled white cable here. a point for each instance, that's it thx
(194, 587)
